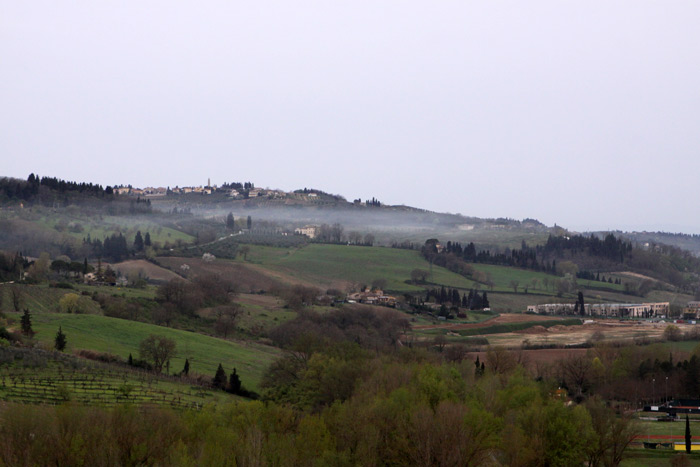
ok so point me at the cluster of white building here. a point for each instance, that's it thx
(622, 310)
(209, 189)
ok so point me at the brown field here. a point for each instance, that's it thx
(599, 330)
(151, 271)
(247, 277)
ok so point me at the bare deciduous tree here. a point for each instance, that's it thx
(226, 317)
(158, 350)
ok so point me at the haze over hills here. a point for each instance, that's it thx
(390, 224)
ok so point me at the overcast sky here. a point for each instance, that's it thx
(584, 114)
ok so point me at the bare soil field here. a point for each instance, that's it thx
(152, 271)
(246, 277)
(599, 330)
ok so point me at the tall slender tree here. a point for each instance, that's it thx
(688, 438)
(27, 323)
(234, 383)
(219, 381)
(138, 241)
(60, 340)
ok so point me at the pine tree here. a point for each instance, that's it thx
(234, 383)
(27, 323)
(220, 378)
(147, 240)
(60, 341)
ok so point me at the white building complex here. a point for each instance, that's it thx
(622, 310)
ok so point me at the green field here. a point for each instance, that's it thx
(104, 226)
(43, 298)
(327, 263)
(681, 346)
(148, 292)
(122, 337)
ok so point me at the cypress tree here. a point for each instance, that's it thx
(219, 381)
(234, 383)
(186, 369)
(27, 323)
(138, 241)
(60, 341)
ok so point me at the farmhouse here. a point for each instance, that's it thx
(376, 297)
(308, 230)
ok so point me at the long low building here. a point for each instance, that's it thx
(622, 310)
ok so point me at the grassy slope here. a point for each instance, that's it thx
(43, 298)
(122, 337)
(105, 226)
(327, 263)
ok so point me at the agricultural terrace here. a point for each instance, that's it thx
(100, 386)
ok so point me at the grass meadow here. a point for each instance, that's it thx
(327, 263)
(122, 337)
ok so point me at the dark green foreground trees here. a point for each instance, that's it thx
(404, 413)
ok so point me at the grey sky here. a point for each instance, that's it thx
(581, 113)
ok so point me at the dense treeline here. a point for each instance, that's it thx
(53, 192)
(538, 258)
(666, 263)
(30, 189)
(448, 296)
